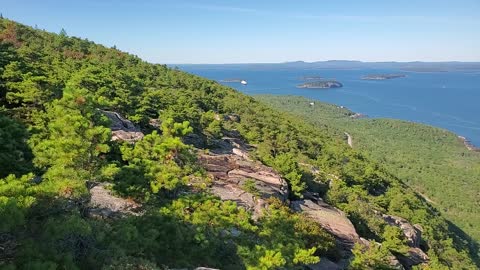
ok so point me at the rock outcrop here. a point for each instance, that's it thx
(413, 235)
(232, 117)
(413, 257)
(240, 179)
(123, 129)
(249, 183)
(331, 219)
(325, 264)
(394, 263)
(103, 204)
(155, 123)
(468, 144)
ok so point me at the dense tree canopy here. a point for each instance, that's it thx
(55, 140)
(432, 160)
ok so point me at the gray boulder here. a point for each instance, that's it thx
(104, 204)
(123, 129)
(331, 219)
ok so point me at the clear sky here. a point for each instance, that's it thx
(247, 31)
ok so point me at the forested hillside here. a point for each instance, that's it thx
(60, 97)
(432, 160)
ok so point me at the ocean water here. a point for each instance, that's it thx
(449, 100)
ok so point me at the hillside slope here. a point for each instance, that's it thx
(102, 169)
(432, 160)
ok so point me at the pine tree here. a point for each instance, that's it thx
(71, 142)
(63, 33)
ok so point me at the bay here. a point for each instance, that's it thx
(449, 100)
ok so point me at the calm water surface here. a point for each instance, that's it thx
(450, 100)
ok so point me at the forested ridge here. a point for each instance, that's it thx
(432, 160)
(56, 143)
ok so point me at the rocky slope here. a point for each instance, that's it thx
(240, 179)
(236, 177)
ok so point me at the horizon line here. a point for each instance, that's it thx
(326, 61)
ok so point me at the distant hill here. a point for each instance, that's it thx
(347, 64)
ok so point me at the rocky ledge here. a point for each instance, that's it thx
(330, 218)
(236, 177)
(240, 179)
(413, 235)
(469, 145)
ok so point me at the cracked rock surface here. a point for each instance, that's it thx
(238, 178)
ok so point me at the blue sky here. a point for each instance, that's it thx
(247, 31)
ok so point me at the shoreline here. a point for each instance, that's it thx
(468, 144)
(356, 115)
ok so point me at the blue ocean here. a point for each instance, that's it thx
(449, 100)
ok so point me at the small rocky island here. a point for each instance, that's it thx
(380, 77)
(321, 84)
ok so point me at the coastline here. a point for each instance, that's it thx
(356, 115)
(355, 88)
(468, 144)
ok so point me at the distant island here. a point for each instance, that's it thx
(321, 84)
(308, 78)
(243, 82)
(231, 80)
(379, 77)
(426, 69)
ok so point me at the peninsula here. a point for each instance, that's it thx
(321, 84)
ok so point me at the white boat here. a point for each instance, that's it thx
(243, 82)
